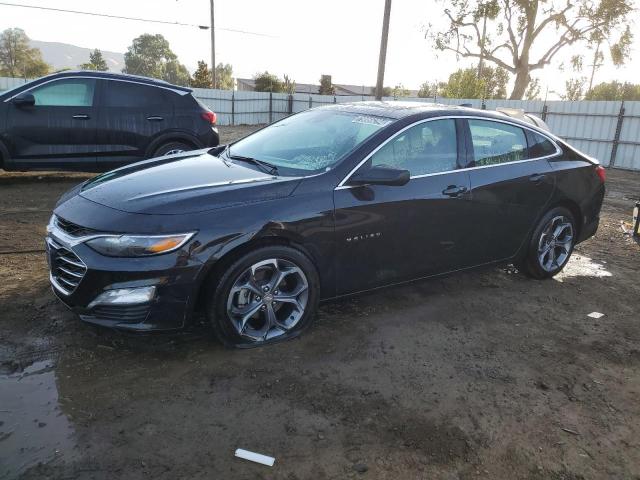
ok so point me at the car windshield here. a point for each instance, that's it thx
(309, 142)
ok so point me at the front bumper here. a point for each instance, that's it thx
(79, 283)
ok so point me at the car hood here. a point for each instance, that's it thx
(185, 183)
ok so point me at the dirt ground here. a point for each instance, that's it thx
(486, 374)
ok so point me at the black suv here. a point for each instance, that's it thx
(96, 121)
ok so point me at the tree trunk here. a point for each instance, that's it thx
(522, 82)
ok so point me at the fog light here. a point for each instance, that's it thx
(124, 296)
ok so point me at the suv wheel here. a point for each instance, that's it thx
(267, 295)
(551, 244)
(172, 148)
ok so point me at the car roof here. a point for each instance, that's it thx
(118, 76)
(399, 109)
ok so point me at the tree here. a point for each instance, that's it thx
(151, 56)
(96, 62)
(289, 85)
(202, 76)
(533, 90)
(224, 76)
(518, 28)
(465, 83)
(326, 87)
(428, 90)
(268, 82)
(400, 91)
(574, 88)
(614, 91)
(17, 58)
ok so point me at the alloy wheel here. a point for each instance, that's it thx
(268, 299)
(554, 246)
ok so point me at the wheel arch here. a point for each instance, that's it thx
(215, 268)
(169, 137)
(575, 210)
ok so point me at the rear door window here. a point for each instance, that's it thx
(133, 95)
(495, 143)
(426, 148)
(69, 92)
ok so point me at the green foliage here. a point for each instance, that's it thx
(386, 91)
(523, 36)
(465, 83)
(400, 91)
(151, 56)
(268, 82)
(621, 50)
(574, 89)
(202, 76)
(224, 76)
(428, 90)
(614, 91)
(17, 58)
(326, 87)
(96, 62)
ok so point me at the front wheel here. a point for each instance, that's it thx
(267, 295)
(551, 244)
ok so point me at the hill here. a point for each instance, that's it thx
(63, 55)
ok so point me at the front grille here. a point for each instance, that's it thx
(66, 267)
(72, 229)
(121, 313)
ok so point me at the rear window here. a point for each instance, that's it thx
(134, 95)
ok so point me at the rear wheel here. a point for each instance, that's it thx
(172, 148)
(267, 295)
(551, 244)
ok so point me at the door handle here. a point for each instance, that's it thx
(155, 118)
(81, 117)
(537, 177)
(454, 190)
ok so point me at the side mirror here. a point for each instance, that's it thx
(24, 100)
(381, 176)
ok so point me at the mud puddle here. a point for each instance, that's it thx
(33, 428)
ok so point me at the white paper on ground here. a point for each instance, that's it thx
(255, 457)
(595, 315)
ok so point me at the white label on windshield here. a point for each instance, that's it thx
(371, 120)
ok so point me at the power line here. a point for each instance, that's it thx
(136, 19)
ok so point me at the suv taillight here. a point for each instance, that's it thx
(209, 116)
(602, 173)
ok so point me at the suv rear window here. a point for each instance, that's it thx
(134, 95)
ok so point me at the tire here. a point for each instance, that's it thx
(267, 295)
(551, 244)
(171, 148)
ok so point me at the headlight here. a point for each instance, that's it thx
(138, 245)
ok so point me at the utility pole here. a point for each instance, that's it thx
(213, 49)
(383, 48)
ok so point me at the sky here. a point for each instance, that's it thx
(305, 39)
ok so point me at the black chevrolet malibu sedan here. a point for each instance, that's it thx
(329, 202)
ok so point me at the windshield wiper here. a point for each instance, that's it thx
(266, 167)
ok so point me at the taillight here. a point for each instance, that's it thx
(602, 173)
(209, 116)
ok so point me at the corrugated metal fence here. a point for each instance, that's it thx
(608, 131)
